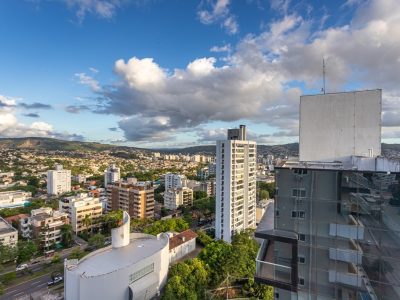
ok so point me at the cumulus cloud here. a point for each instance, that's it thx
(217, 11)
(263, 77)
(11, 127)
(224, 48)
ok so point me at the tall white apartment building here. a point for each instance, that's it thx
(174, 181)
(111, 175)
(58, 181)
(236, 184)
(175, 197)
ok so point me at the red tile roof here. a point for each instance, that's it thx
(16, 218)
(181, 238)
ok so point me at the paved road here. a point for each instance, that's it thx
(26, 288)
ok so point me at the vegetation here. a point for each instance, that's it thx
(26, 250)
(97, 240)
(219, 263)
(77, 254)
(199, 195)
(56, 259)
(203, 238)
(176, 224)
(266, 187)
(112, 220)
(8, 253)
(66, 235)
(8, 212)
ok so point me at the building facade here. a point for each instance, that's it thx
(111, 175)
(44, 226)
(58, 181)
(236, 184)
(181, 244)
(14, 198)
(8, 234)
(135, 267)
(137, 198)
(174, 181)
(336, 228)
(84, 213)
(175, 197)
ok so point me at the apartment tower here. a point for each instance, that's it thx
(58, 181)
(236, 184)
(336, 229)
(111, 174)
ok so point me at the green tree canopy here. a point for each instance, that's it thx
(67, 235)
(26, 250)
(97, 240)
(175, 224)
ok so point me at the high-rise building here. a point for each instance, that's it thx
(336, 232)
(111, 175)
(137, 198)
(174, 181)
(58, 181)
(84, 212)
(175, 197)
(236, 184)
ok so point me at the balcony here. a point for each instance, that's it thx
(276, 262)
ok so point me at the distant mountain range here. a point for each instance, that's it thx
(389, 150)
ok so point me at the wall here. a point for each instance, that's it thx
(336, 126)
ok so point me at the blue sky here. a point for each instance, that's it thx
(173, 73)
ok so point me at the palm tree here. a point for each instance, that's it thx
(87, 221)
(66, 235)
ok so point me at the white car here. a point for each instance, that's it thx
(55, 281)
(21, 267)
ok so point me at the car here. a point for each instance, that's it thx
(21, 267)
(56, 280)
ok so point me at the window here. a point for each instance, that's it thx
(301, 281)
(141, 273)
(302, 237)
(299, 193)
(301, 259)
(300, 171)
(298, 214)
(277, 213)
(276, 295)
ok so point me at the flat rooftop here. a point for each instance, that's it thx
(6, 227)
(107, 260)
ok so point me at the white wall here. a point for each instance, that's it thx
(336, 126)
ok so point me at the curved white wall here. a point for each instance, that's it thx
(120, 235)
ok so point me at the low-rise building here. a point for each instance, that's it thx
(175, 197)
(44, 226)
(84, 212)
(14, 198)
(181, 244)
(137, 198)
(8, 234)
(135, 266)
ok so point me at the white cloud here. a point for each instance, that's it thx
(88, 81)
(102, 8)
(217, 11)
(259, 80)
(224, 48)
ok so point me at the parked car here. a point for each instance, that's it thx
(56, 280)
(21, 267)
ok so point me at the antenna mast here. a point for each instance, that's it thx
(323, 75)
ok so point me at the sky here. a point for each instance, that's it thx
(169, 73)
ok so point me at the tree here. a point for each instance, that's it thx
(259, 291)
(66, 235)
(8, 253)
(264, 194)
(199, 195)
(187, 280)
(77, 254)
(56, 259)
(112, 220)
(87, 222)
(176, 224)
(203, 238)
(26, 250)
(97, 240)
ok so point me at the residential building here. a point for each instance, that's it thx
(174, 181)
(14, 199)
(203, 173)
(212, 169)
(135, 267)
(181, 244)
(111, 175)
(175, 197)
(208, 187)
(236, 184)
(8, 234)
(84, 212)
(44, 225)
(58, 181)
(335, 233)
(137, 198)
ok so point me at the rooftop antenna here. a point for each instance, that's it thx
(323, 75)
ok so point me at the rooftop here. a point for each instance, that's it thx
(6, 227)
(181, 238)
(110, 259)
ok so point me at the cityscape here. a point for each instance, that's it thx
(211, 149)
